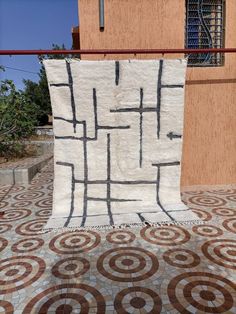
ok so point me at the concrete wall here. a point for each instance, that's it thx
(209, 150)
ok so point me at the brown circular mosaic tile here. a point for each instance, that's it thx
(43, 180)
(120, 237)
(72, 297)
(166, 235)
(231, 198)
(3, 204)
(196, 291)
(3, 243)
(13, 189)
(5, 227)
(17, 272)
(43, 213)
(221, 211)
(181, 258)
(27, 245)
(6, 307)
(230, 224)
(193, 192)
(15, 214)
(50, 187)
(221, 252)
(134, 300)
(31, 195)
(75, 242)
(21, 204)
(44, 203)
(35, 187)
(207, 201)
(31, 227)
(202, 214)
(207, 230)
(71, 267)
(223, 192)
(127, 264)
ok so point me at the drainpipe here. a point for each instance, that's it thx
(101, 15)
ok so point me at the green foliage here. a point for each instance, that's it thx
(38, 93)
(17, 120)
(21, 111)
(57, 56)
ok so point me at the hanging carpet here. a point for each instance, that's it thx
(118, 129)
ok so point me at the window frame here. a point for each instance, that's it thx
(220, 57)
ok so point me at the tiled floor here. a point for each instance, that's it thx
(166, 269)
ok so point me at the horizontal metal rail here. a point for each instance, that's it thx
(115, 51)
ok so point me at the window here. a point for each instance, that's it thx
(205, 29)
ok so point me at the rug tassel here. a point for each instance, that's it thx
(104, 228)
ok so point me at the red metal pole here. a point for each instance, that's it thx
(116, 51)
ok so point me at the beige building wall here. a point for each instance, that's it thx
(209, 149)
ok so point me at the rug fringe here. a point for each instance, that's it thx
(104, 228)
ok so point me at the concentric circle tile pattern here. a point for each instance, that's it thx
(162, 269)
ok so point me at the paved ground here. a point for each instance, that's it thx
(167, 269)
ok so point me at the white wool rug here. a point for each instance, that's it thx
(118, 129)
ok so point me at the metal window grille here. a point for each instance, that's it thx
(205, 29)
